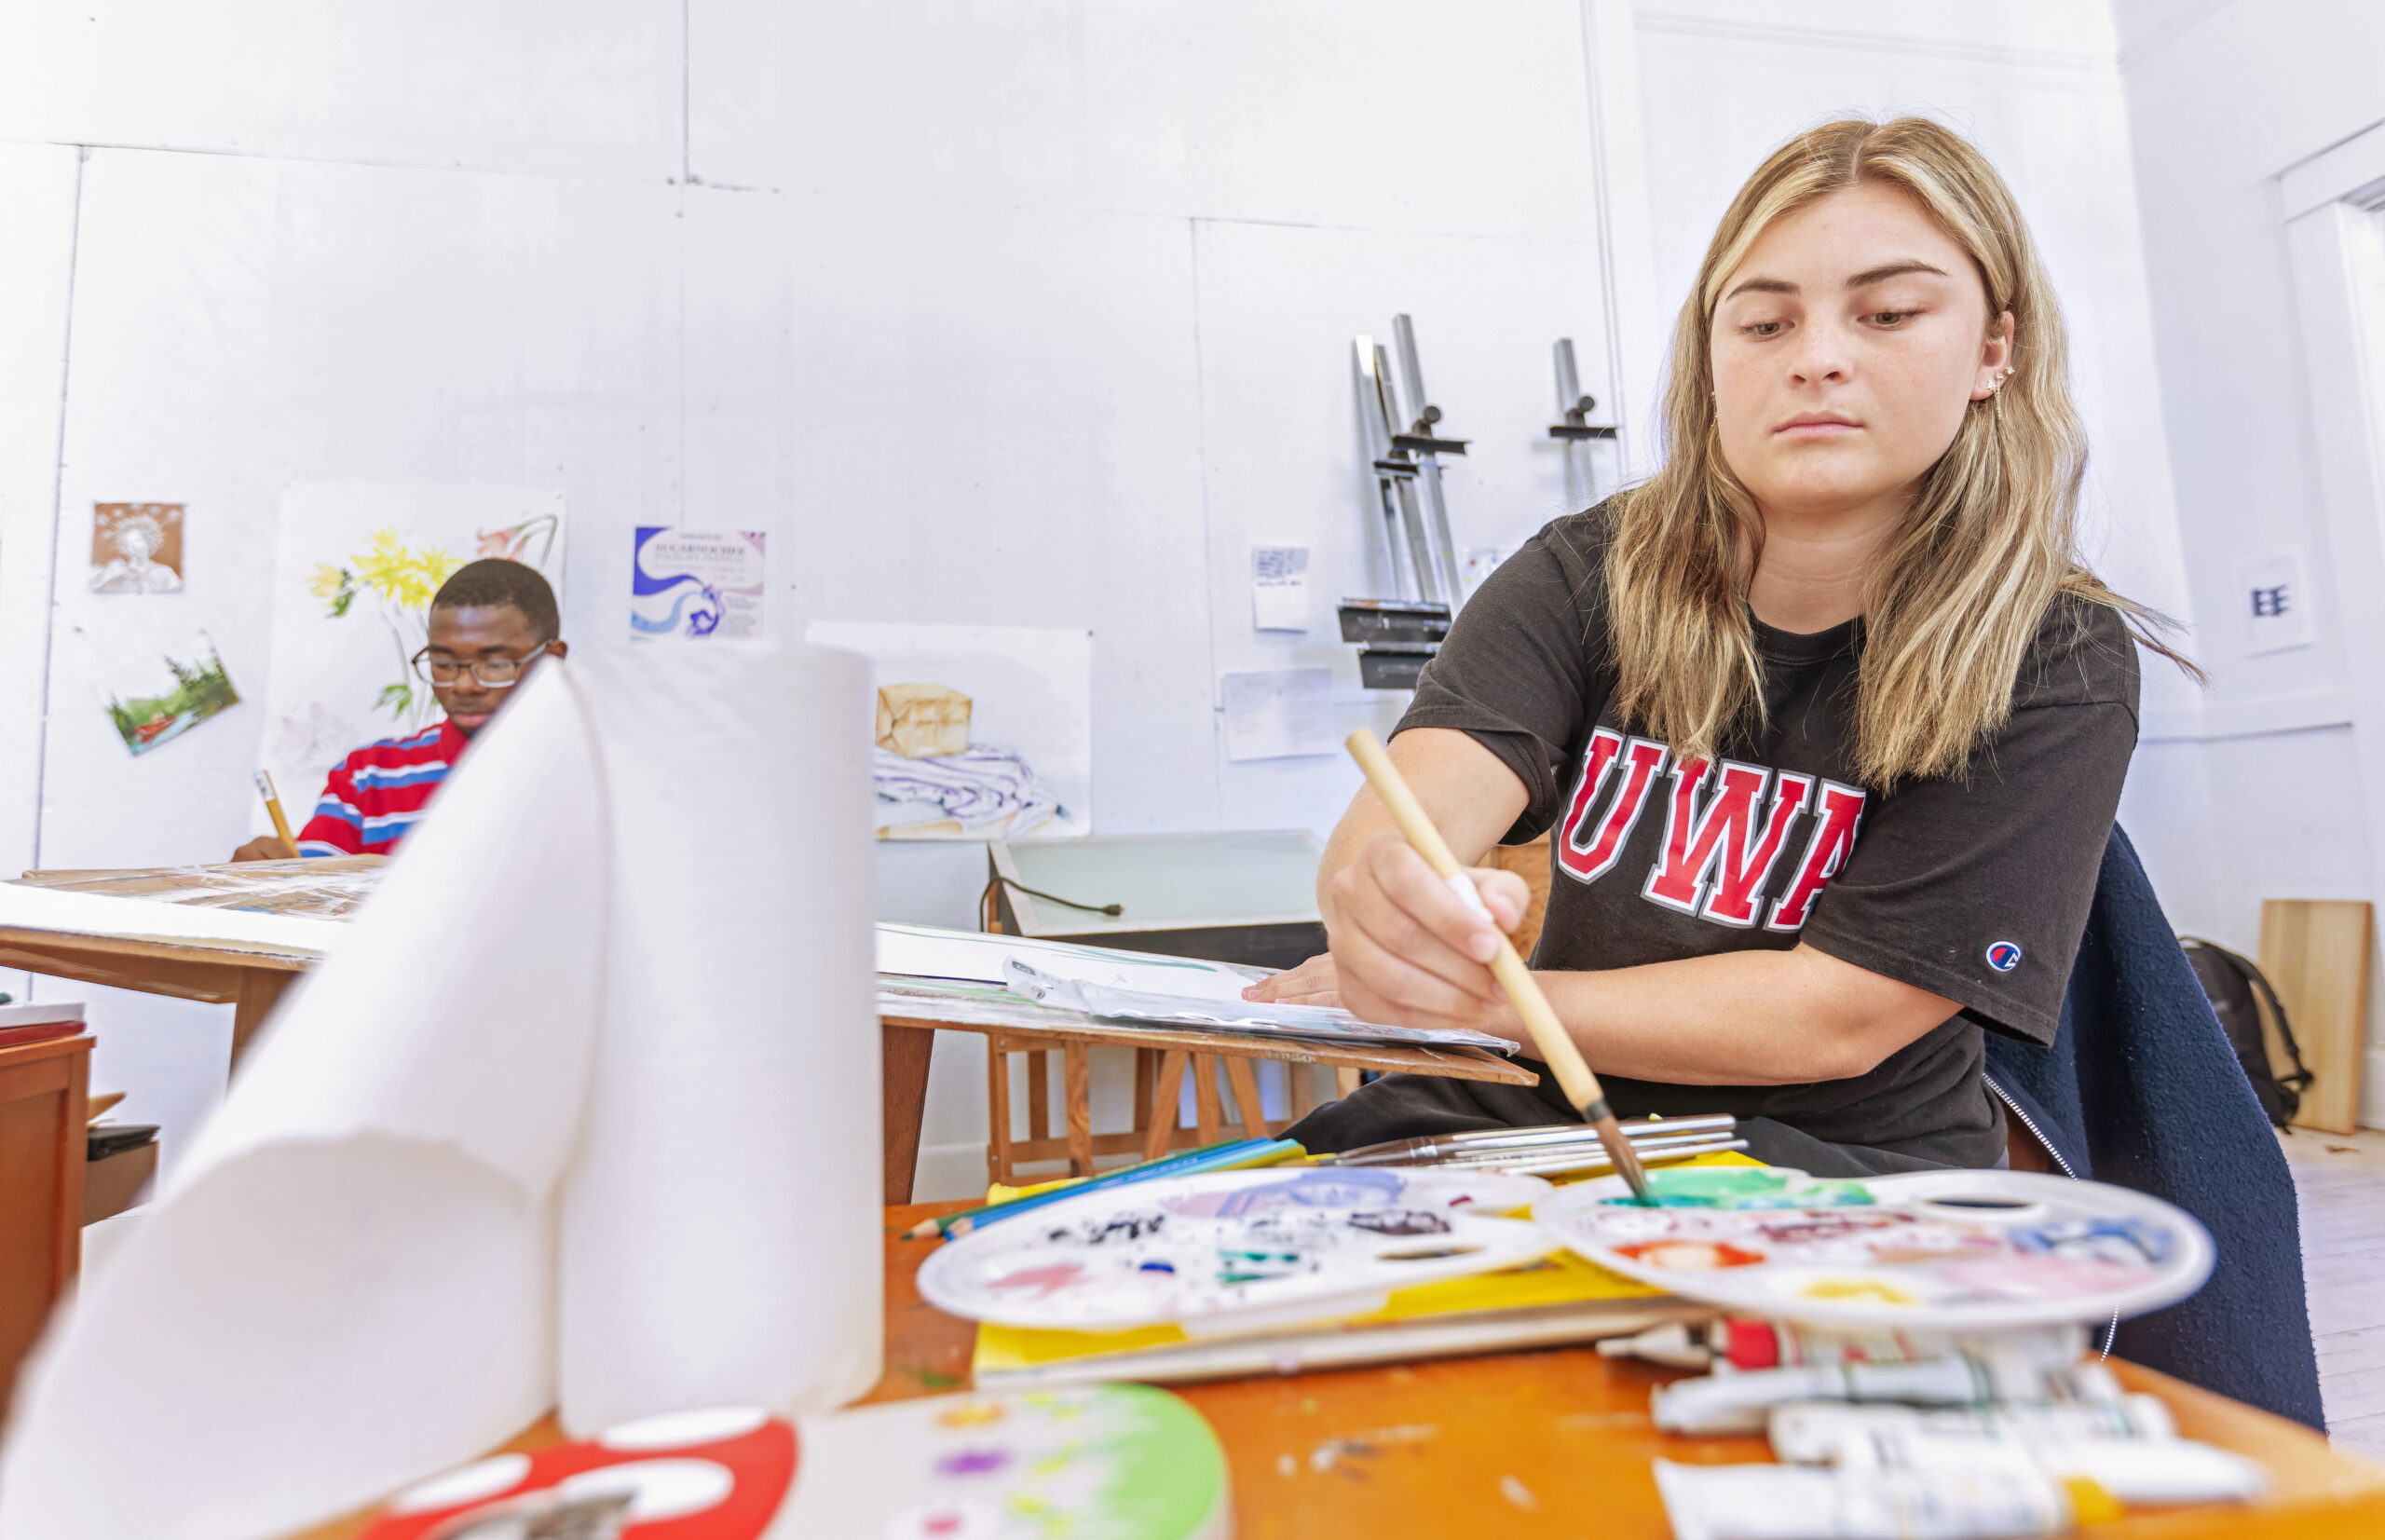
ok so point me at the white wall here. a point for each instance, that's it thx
(1028, 315)
(1032, 315)
(2228, 99)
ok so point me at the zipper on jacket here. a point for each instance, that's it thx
(2030, 1123)
(2113, 1328)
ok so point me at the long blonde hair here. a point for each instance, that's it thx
(1963, 585)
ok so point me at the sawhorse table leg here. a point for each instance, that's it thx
(903, 1066)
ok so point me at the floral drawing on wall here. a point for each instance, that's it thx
(397, 580)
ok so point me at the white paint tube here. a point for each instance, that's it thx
(1818, 1432)
(2158, 1470)
(1739, 1343)
(2000, 1494)
(1741, 1403)
(1989, 1369)
(2128, 1448)
(1675, 1344)
(1774, 1345)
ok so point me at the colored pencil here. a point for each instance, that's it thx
(1557, 1048)
(273, 806)
(1265, 1153)
(1235, 1155)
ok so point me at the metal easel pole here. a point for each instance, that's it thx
(1404, 542)
(1421, 441)
(1573, 429)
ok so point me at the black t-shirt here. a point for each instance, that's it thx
(1974, 887)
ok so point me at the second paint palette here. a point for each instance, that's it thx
(1954, 1251)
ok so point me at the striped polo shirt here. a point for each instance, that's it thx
(377, 792)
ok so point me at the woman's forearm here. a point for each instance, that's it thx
(1736, 1018)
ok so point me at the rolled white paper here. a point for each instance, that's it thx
(587, 984)
(720, 1228)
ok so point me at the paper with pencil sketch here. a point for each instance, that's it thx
(1122, 986)
(923, 951)
(490, 1159)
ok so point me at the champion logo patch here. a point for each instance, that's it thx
(2004, 956)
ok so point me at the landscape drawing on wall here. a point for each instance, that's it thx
(154, 702)
(354, 572)
(981, 731)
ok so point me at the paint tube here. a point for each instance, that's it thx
(1675, 1344)
(1738, 1343)
(1741, 1403)
(2127, 1448)
(1998, 1496)
(1989, 1370)
(1775, 1344)
(1815, 1433)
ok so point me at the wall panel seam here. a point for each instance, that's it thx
(1610, 299)
(1209, 526)
(87, 145)
(57, 509)
(1824, 38)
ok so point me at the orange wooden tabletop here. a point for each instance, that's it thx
(1553, 1443)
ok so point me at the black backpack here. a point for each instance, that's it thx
(2255, 1026)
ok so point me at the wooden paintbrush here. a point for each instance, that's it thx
(1556, 1049)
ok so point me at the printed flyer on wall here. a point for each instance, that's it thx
(697, 582)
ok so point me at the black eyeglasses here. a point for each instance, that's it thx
(495, 673)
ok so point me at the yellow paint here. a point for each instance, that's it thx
(973, 1414)
(1856, 1288)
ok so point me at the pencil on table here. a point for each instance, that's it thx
(1548, 1034)
(273, 806)
(1231, 1156)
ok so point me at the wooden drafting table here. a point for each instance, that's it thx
(259, 925)
(1554, 1443)
(246, 966)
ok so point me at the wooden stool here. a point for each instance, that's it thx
(1158, 1079)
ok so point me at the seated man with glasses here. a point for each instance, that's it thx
(489, 624)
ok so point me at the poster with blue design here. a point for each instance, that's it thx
(696, 583)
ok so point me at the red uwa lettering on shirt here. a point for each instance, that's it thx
(1838, 817)
(1715, 859)
(1589, 854)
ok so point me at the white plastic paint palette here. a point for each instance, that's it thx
(1940, 1250)
(1119, 1462)
(1235, 1250)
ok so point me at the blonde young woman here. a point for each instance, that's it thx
(1829, 720)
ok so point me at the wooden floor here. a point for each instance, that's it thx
(2341, 1178)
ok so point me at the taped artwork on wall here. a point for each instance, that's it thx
(697, 582)
(136, 548)
(981, 731)
(158, 700)
(354, 571)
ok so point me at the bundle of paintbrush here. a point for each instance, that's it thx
(1555, 1148)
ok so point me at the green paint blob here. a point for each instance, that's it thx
(1744, 1187)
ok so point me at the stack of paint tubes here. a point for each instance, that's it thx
(1912, 1434)
(1555, 1148)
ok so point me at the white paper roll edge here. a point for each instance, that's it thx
(719, 1235)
